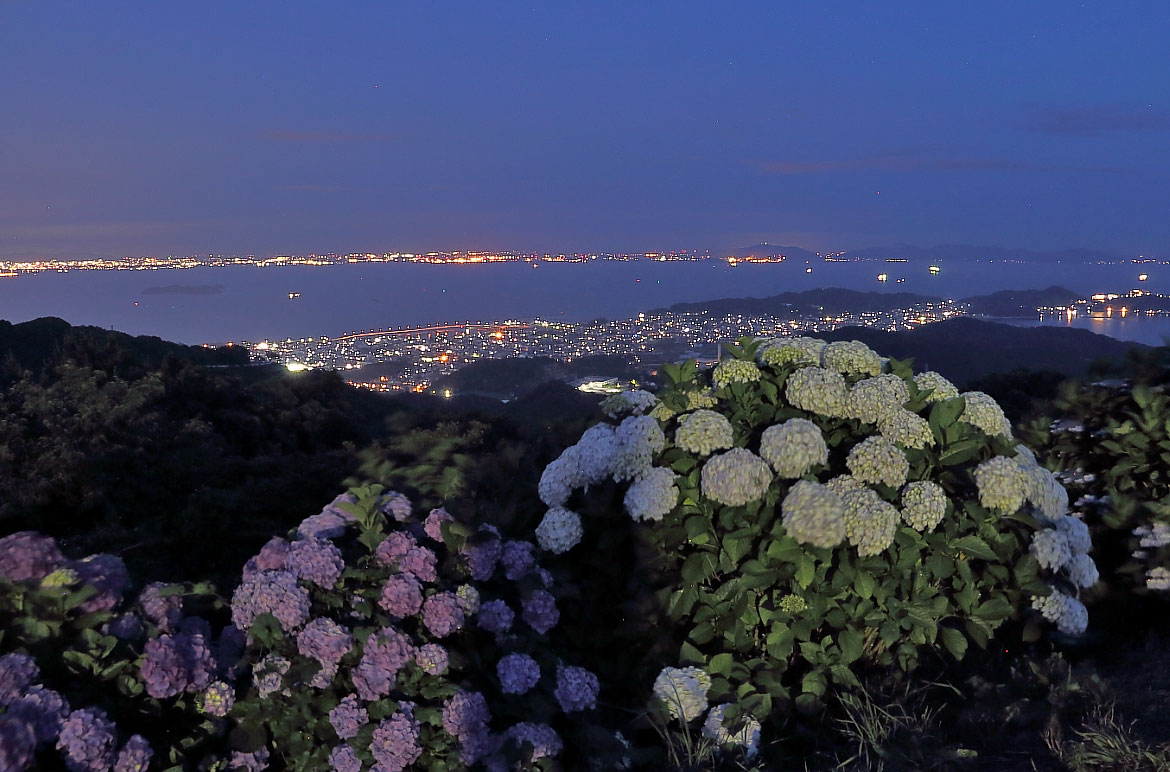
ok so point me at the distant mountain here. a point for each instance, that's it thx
(830, 300)
(985, 252)
(965, 349)
(33, 344)
(1008, 304)
(771, 250)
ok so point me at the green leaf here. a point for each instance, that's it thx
(813, 683)
(720, 664)
(973, 546)
(965, 450)
(863, 584)
(955, 642)
(844, 676)
(852, 643)
(806, 571)
(994, 610)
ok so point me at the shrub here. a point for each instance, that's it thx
(860, 513)
(378, 639)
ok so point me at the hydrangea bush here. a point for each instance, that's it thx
(95, 678)
(823, 510)
(377, 639)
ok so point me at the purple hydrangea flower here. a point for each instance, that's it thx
(165, 613)
(348, 717)
(135, 755)
(394, 547)
(272, 592)
(330, 523)
(106, 573)
(124, 627)
(270, 558)
(466, 717)
(256, 761)
(419, 561)
(434, 523)
(545, 577)
(576, 689)
(17, 673)
(164, 669)
(268, 675)
(482, 551)
(229, 649)
(42, 709)
(17, 744)
(396, 505)
(495, 617)
(545, 742)
(442, 614)
(518, 673)
(395, 743)
(27, 556)
(432, 658)
(195, 646)
(468, 598)
(87, 741)
(518, 559)
(315, 560)
(386, 652)
(344, 759)
(539, 610)
(327, 642)
(218, 699)
(401, 596)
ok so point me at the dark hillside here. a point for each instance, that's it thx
(1021, 303)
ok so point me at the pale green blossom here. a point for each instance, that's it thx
(777, 352)
(636, 402)
(906, 428)
(703, 432)
(844, 483)
(683, 690)
(941, 388)
(652, 495)
(794, 447)
(636, 441)
(872, 399)
(700, 398)
(877, 460)
(985, 414)
(819, 391)
(1002, 484)
(870, 522)
(731, 371)
(813, 514)
(851, 357)
(736, 477)
(923, 505)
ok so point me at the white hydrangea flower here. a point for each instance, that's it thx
(595, 452)
(1075, 531)
(652, 495)
(923, 505)
(1044, 491)
(851, 356)
(661, 412)
(844, 483)
(683, 691)
(731, 371)
(636, 441)
(636, 402)
(870, 522)
(1002, 484)
(1025, 457)
(906, 428)
(1050, 548)
(985, 414)
(1158, 578)
(747, 737)
(703, 432)
(941, 388)
(793, 447)
(813, 514)
(819, 391)
(1156, 535)
(1069, 614)
(699, 399)
(1082, 571)
(736, 477)
(561, 478)
(559, 531)
(872, 399)
(780, 351)
(877, 460)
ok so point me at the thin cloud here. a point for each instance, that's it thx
(1097, 120)
(902, 164)
(323, 136)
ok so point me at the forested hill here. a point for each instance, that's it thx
(965, 349)
(830, 300)
(33, 344)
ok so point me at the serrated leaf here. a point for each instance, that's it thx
(852, 644)
(955, 642)
(974, 546)
(806, 571)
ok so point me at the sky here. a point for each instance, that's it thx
(154, 128)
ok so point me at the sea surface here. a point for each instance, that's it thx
(203, 305)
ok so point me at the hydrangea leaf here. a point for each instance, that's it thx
(954, 641)
(973, 546)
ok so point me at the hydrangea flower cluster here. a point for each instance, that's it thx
(559, 531)
(870, 522)
(1068, 614)
(985, 414)
(777, 352)
(851, 357)
(683, 691)
(637, 440)
(939, 387)
(736, 477)
(27, 556)
(877, 460)
(923, 505)
(1002, 484)
(577, 689)
(747, 736)
(818, 390)
(652, 495)
(872, 399)
(703, 432)
(637, 402)
(794, 447)
(731, 371)
(907, 429)
(814, 514)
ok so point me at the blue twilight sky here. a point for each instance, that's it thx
(183, 127)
